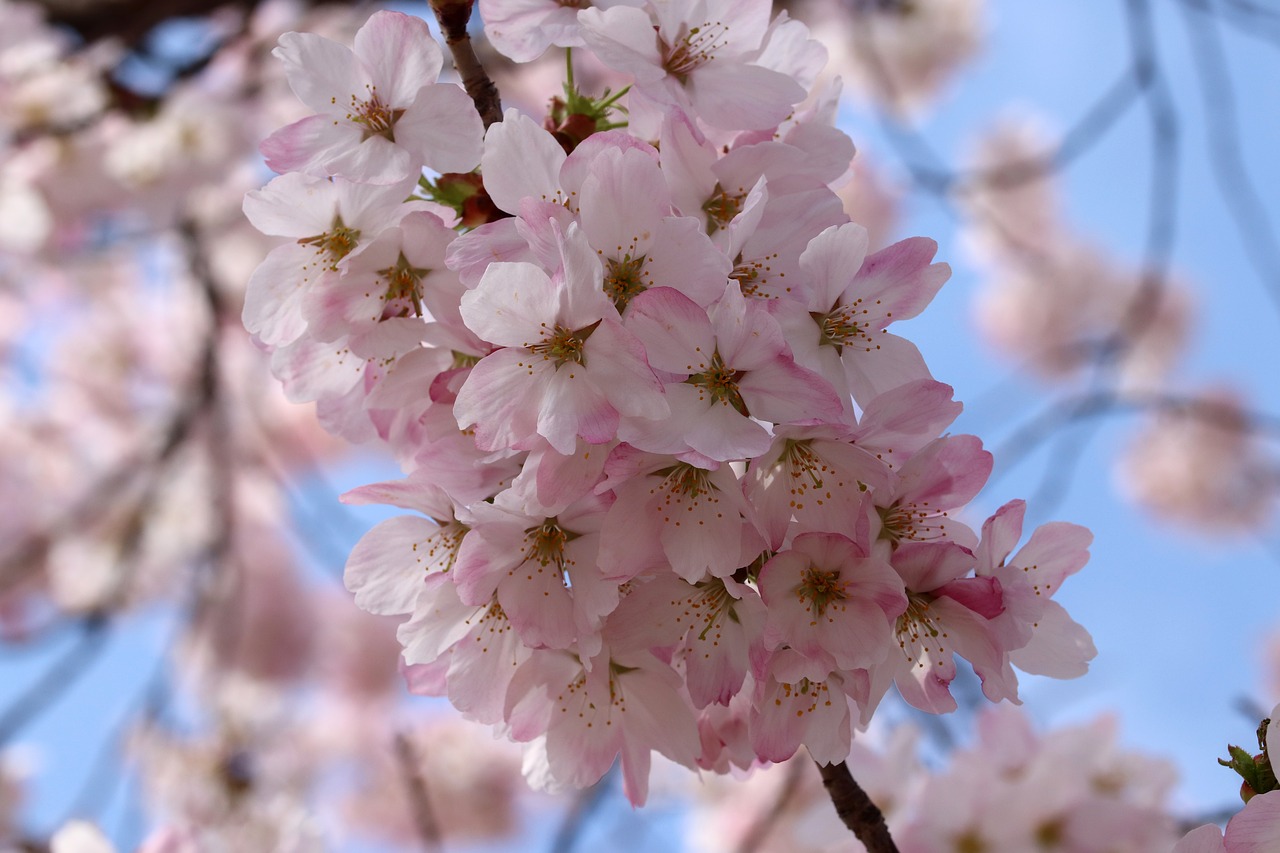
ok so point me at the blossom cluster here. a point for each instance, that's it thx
(678, 486)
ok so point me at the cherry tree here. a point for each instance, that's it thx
(678, 499)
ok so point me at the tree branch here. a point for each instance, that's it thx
(424, 818)
(855, 808)
(453, 16)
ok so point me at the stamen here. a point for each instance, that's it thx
(693, 49)
(721, 382)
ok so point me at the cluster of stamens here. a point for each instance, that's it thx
(377, 118)
(563, 345)
(545, 543)
(403, 297)
(721, 382)
(819, 590)
(334, 244)
(694, 48)
(845, 325)
(916, 627)
(442, 545)
(912, 521)
(624, 279)
(722, 207)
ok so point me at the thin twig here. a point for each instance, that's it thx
(855, 808)
(453, 16)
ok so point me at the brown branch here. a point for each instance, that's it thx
(855, 808)
(453, 16)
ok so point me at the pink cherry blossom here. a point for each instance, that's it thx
(728, 367)
(830, 601)
(380, 114)
(703, 58)
(566, 368)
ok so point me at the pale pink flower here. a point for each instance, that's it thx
(1040, 635)
(919, 47)
(677, 515)
(522, 30)
(831, 601)
(850, 304)
(541, 566)
(813, 477)
(80, 836)
(380, 114)
(703, 58)
(800, 702)
(623, 705)
(727, 368)
(942, 476)
(713, 628)
(326, 219)
(948, 614)
(566, 368)
(626, 215)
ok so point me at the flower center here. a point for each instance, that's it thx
(564, 345)
(545, 543)
(403, 297)
(377, 118)
(624, 279)
(844, 326)
(336, 243)
(722, 207)
(687, 480)
(752, 276)
(710, 603)
(694, 48)
(442, 547)
(820, 589)
(721, 382)
(911, 521)
(970, 842)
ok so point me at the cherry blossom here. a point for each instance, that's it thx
(379, 117)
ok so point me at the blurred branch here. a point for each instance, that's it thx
(585, 804)
(765, 824)
(424, 817)
(855, 808)
(1016, 447)
(927, 166)
(128, 20)
(62, 675)
(1222, 123)
(1163, 186)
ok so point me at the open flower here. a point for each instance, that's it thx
(380, 116)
